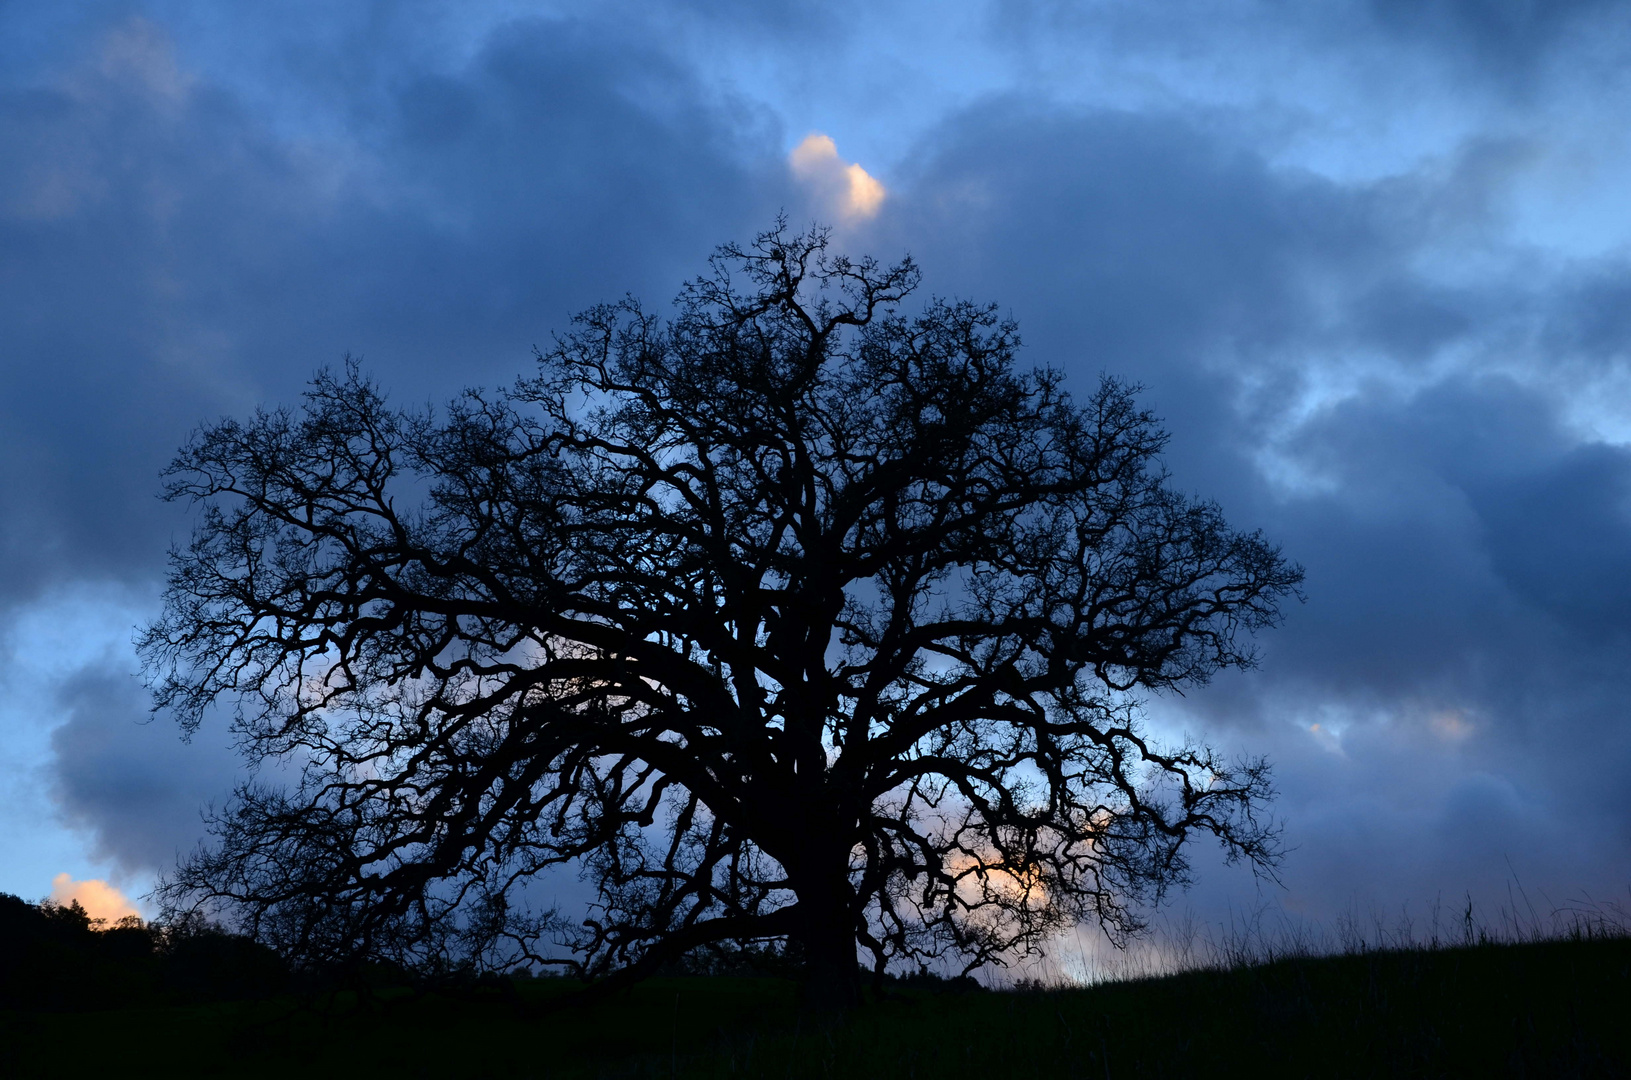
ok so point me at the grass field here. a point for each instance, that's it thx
(1552, 1009)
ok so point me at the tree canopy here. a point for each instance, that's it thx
(790, 616)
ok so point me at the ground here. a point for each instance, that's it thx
(1556, 1009)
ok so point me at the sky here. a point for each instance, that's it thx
(1369, 259)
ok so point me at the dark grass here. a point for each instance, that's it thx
(1543, 1009)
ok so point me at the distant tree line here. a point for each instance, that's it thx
(55, 957)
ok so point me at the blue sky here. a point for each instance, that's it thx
(1369, 259)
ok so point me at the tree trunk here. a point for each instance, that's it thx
(832, 977)
(832, 973)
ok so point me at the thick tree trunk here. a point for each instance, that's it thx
(832, 978)
(832, 974)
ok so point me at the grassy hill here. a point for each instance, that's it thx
(1550, 1009)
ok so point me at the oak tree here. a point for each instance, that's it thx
(792, 616)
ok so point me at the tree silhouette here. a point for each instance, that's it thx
(790, 617)
(55, 957)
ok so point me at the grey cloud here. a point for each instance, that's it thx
(1591, 315)
(1151, 247)
(169, 255)
(1465, 545)
(1560, 537)
(1154, 249)
(1507, 48)
(1507, 36)
(1470, 540)
(1411, 319)
(129, 782)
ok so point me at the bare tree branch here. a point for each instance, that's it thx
(792, 616)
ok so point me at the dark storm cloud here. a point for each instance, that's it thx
(1149, 248)
(127, 782)
(1534, 517)
(1146, 247)
(1465, 636)
(1505, 36)
(1559, 536)
(169, 256)
(1504, 44)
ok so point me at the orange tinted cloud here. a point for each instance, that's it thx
(848, 189)
(99, 899)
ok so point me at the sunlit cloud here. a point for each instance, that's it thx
(101, 901)
(847, 189)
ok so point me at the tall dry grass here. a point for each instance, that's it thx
(1179, 942)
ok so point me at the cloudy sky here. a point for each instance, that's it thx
(1371, 260)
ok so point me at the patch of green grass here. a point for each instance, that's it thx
(1550, 1009)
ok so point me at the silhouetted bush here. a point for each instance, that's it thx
(206, 963)
(774, 960)
(932, 983)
